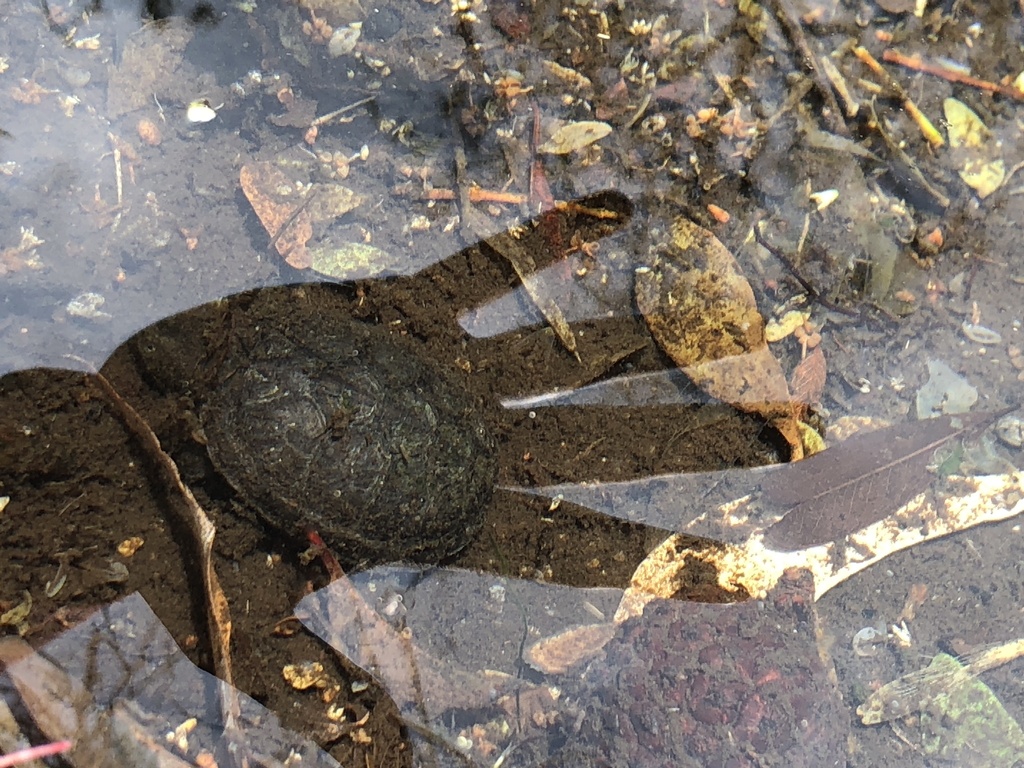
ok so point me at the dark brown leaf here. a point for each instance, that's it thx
(859, 481)
(807, 382)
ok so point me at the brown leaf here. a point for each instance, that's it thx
(557, 655)
(701, 311)
(859, 481)
(299, 113)
(679, 91)
(278, 203)
(808, 379)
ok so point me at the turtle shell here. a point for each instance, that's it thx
(319, 421)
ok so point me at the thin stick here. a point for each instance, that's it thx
(478, 195)
(834, 116)
(481, 195)
(218, 613)
(811, 291)
(851, 105)
(34, 753)
(929, 131)
(118, 177)
(339, 112)
(948, 73)
(292, 217)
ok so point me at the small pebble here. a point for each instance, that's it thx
(1010, 430)
(200, 112)
(343, 41)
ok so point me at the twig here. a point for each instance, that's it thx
(809, 289)
(927, 129)
(834, 114)
(851, 105)
(339, 112)
(903, 167)
(948, 73)
(218, 613)
(30, 754)
(292, 217)
(501, 197)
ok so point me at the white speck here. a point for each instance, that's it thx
(901, 634)
(824, 199)
(200, 112)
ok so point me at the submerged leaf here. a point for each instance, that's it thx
(701, 311)
(290, 209)
(923, 689)
(575, 136)
(981, 168)
(808, 379)
(859, 481)
(965, 127)
(351, 261)
(279, 204)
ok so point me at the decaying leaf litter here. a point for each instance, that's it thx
(879, 235)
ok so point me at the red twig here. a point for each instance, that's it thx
(948, 73)
(34, 753)
(327, 557)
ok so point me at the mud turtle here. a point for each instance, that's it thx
(320, 421)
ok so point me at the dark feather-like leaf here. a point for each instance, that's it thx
(859, 481)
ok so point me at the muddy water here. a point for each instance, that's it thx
(705, 108)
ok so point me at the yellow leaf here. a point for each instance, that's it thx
(965, 127)
(574, 136)
(984, 177)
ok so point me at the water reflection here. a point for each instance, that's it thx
(117, 684)
(105, 231)
(683, 684)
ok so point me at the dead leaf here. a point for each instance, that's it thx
(278, 203)
(574, 136)
(808, 379)
(974, 149)
(558, 654)
(777, 330)
(291, 209)
(859, 481)
(299, 113)
(701, 310)
(351, 261)
(17, 617)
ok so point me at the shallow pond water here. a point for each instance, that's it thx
(418, 202)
